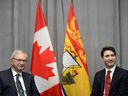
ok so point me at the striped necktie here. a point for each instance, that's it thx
(19, 86)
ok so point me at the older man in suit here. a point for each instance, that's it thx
(15, 82)
(112, 80)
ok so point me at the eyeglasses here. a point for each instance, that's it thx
(19, 60)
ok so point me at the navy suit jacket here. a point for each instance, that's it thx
(119, 83)
(8, 88)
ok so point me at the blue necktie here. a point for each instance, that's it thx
(19, 87)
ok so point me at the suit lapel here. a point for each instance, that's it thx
(26, 82)
(115, 75)
(102, 80)
(11, 80)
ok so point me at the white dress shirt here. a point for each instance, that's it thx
(112, 71)
(21, 80)
(111, 74)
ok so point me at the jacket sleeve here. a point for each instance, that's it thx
(122, 89)
(34, 90)
(96, 87)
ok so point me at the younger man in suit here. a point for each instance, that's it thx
(15, 82)
(112, 80)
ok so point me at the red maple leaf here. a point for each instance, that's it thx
(39, 62)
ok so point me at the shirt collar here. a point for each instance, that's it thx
(112, 69)
(14, 72)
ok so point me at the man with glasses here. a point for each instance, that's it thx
(15, 82)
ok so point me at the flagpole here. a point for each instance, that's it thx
(40, 1)
(72, 2)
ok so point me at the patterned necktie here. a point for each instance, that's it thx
(107, 83)
(19, 87)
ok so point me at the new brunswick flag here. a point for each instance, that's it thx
(75, 78)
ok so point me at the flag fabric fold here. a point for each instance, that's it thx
(75, 77)
(43, 63)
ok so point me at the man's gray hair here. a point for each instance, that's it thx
(16, 52)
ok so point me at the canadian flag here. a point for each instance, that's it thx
(43, 64)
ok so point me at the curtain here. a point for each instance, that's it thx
(101, 23)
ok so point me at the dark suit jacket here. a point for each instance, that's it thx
(119, 83)
(8, 88)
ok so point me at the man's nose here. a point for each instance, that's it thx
(22, 62)
(110, 57)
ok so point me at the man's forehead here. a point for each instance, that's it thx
(108, 52)
(20, 54)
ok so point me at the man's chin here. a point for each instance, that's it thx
(21, 69)
(110, 65)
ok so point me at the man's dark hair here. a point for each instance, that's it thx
(108, 48)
